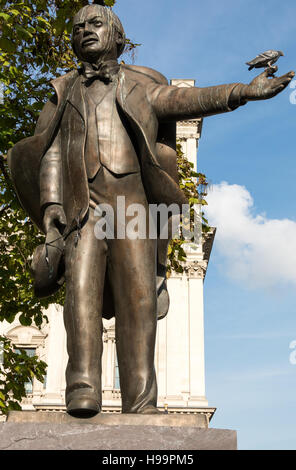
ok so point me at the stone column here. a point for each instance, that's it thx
(109, 351)
(180, 337)
(111, 397)
(55, 355)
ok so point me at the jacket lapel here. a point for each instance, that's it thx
(125, 87)
(76, 99)
(64, 83)
(130, 97)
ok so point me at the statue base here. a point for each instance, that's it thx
(39, 430)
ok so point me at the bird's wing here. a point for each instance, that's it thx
(270, 54)
(259, 58)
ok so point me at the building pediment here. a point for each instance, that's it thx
(25, 335)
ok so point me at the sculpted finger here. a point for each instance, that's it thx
(283, 81)
(283, 86)
(278, 88)
(287, 76)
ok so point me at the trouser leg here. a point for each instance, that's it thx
(132, 275)
(85, 273)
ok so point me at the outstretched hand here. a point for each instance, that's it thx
(263, 87)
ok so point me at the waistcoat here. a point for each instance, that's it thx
(109, 140)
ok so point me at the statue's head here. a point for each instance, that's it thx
(97, 34)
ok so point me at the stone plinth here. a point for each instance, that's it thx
(112, 419)
(58, 431)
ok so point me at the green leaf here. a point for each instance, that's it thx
(5, 16)
(25, 321)
(194, 200)
(14, 12)
(23, 33)
(13, 405)
(7, 46)
(43, 20)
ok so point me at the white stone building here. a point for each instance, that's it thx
(179, 356)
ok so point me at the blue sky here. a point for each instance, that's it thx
(250, 316)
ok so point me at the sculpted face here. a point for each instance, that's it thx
(95, 34)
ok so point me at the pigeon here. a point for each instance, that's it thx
(266, 59)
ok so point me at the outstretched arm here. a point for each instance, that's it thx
(173, 103)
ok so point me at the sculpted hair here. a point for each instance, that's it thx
(112, 20)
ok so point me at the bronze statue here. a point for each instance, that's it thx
(110, 130)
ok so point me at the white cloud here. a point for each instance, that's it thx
(258, 251)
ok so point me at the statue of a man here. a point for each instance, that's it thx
(108, 131)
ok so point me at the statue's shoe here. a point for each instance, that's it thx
(83, 407)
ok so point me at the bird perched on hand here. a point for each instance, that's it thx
(266, 59)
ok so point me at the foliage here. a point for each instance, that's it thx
(16, 369)
(194, 185)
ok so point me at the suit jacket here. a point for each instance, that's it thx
(149, 104)
(56, 151)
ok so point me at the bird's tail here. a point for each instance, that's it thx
(251, 66)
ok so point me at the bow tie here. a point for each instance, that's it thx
(104, 71)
